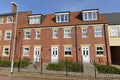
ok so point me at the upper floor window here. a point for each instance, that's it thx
(90, 15)
(84, 32)
(62, 17)
(9, 19)
(35, 19)
(115, 31)
(1, 20)
(55, 33)
(67, 33)
(99, 51)
(27, 35)
(7, 35)
(98, 32)
(37, 34)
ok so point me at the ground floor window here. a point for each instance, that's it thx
(99, 50)
(26, 51)
(6, 51)
(67, 50)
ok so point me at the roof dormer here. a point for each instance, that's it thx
(62, 17)
(90, 15)
(35, 19)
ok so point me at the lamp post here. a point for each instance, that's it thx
(14, 38)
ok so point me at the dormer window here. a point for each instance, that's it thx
(62, 17)
(90, 15)
(9, 19)
(35, 19)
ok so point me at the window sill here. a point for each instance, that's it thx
(98, 36)
(5, 55)
(100, 56)
(68, 56)
(68, 37)
(26, 38)
(55, 38)
(26, 55)
(85, 37)
(37, 38)
(7, 39)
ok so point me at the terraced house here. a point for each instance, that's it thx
(7, 29)
(78, 36)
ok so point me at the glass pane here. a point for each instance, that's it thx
(62, 18)
(85, 15)
(66, 17)
(94, 15)
(90, 15)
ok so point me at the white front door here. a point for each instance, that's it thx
(54, 54)
(36, 54)
(85, 54)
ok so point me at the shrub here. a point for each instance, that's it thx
(4, 63)
(61, 66)
(107, 69)
(23, 63)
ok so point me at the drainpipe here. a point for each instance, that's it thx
(20, 34)
(76, 44)
(106, 44)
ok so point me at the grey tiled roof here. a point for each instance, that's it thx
(7, 14)
(112, 18)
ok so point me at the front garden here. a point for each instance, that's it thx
(107, 69)
(23, 63)
(65, 66)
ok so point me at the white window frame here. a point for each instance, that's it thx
(84, 33)
(55, 33)
(26, 53)
(8, 19)
(27, 36)
(59, 17)
(115, 31)
(38, 34)
(1, 20)
(36, 19)
(100, 50)
(98, 33)
(86, 17)
(66, 34)
(67, 48)
(4, 51)
(6, 35)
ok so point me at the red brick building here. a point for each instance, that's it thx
(7, 28)
(79, 36)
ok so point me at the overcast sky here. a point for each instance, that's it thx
(52, 6)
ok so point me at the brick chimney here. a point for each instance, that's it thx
(14, 7)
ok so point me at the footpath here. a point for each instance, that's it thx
(43, 76)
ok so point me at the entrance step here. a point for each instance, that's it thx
(88, 68)
(36, 67)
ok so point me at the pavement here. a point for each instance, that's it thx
(6, 75)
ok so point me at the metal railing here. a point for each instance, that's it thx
(68, 68)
